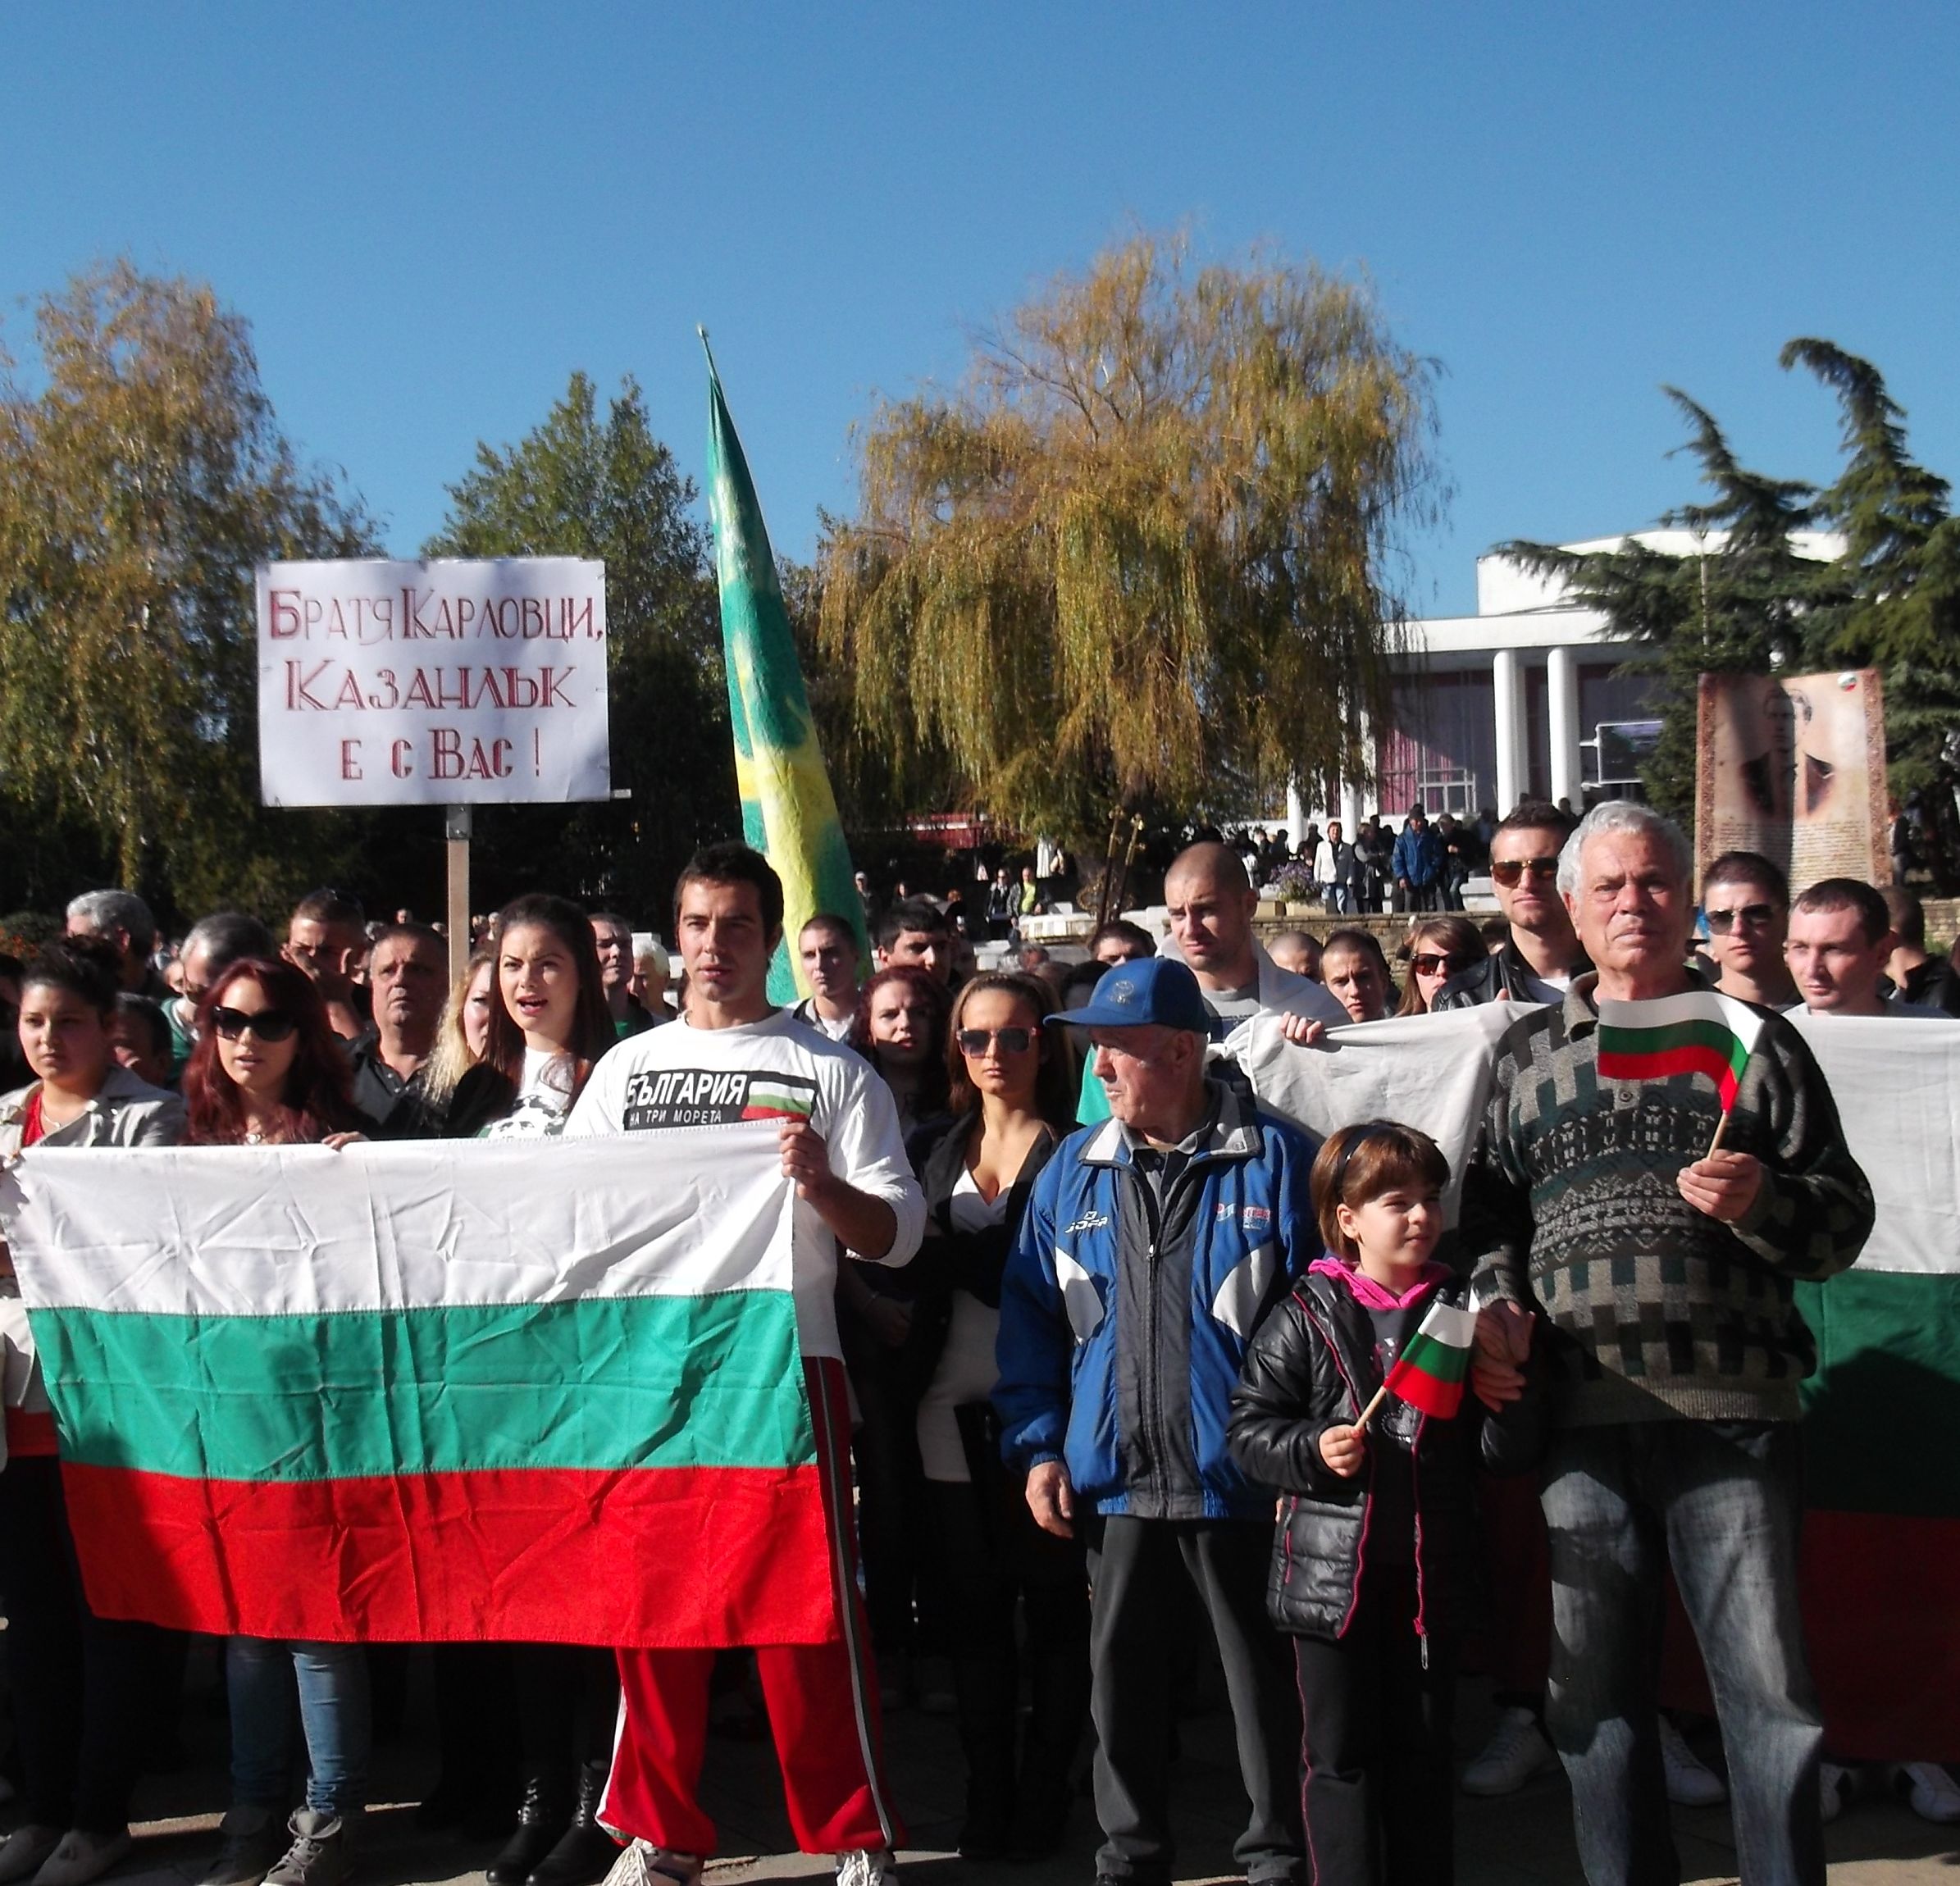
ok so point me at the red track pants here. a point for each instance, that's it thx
(823, 1700)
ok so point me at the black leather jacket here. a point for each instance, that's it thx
(1504, 976)
(1313, 1366)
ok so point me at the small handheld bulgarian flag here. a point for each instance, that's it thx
(1702, 1032)
(1429, 1373)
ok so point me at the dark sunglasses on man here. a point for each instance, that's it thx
(268, 1025)
(1510, 871)
(973, 1042)
(1750, 916)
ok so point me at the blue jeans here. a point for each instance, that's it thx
(259, 1676)
(1720, 1500)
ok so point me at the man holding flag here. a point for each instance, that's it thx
(1657, 1166)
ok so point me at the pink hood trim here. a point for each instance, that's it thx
(1373, 1296)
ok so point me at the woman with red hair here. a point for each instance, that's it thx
(267, 1070)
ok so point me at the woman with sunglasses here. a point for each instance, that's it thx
(89, 1693)
(268, 1070)
(1437, 948)
(547, 1027)
(1012, 1084)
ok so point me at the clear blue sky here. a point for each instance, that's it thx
(431, 213)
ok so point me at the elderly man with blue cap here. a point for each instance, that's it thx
(1154, 1244)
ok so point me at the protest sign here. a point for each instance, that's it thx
(439, 683)
(522, 1392)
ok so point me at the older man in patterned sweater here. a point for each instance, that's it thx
(1663, 1271)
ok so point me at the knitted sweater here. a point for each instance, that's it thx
(1656, 1310)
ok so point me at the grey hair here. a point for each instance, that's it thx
(229, 936)
(105, 911)
(1624, 815)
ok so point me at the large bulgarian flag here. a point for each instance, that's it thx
(788, 812)
(526, 1392)
(1702, 1032)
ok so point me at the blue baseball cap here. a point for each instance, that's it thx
(1156, 992)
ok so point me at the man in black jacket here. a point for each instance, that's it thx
(1543, 954)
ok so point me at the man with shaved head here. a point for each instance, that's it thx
(1210, 903)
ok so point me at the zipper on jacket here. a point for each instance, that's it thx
(1422, 1602)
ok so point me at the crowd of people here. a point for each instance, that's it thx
(1076, 1310)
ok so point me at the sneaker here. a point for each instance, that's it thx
(1691, 1782)
(640, 1863)
(317, 1855)
(24, 1851)
(1929, 1790)
(79, 1857)
(250, 1841)
(1838, 1787)
(867, 1867)
(1513, 1754)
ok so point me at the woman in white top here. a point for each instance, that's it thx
(1013, 1097)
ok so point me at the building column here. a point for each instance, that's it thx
(1561, 696)
(1296, 815)
(1507, 679)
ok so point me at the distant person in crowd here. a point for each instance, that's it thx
(1298, 952)
(1917, 975)
(1417, 863)
(1334, 867)
(121, 920)
(612, 936)
(828, 948)
(1032, 957)
(913, 934)
(1373, 850)
(1356, 974)
(1029, 900)
(1658, 1276)
(867, 901)
(854, 1191)
(139, 1037)
(461, 1035)
(652, 971)
(408, 980)
(1119, 940)
(1375, 1566)
(325, 941)
(1542, 953)
(1012, 1099)
(86, 1691)
(1746, 904)
(1437, 948)
(268, 1070)
(212, 945)
(899, 1027)
(1152, 1246)
(1840, 940)
(1210, 904)
(404, 915)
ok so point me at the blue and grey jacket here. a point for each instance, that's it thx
(1124, 1327)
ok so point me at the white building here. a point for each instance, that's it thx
(1525, 699)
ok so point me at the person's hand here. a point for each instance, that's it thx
(1051, 1499)
(1503, 1345)
(1343, 1449)
(805, 1158)
(888, 1320)
(333, 1141)
(1724, 1185)
(1301, 1031)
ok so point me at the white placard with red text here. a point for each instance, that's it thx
(440, 683)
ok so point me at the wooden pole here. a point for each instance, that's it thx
(456, 831)
(1721, 1127)
(1367, 1413)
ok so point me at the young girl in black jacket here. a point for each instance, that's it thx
(1374, 1554)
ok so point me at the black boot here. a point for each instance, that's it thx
(585, 1851)
(541, 1816)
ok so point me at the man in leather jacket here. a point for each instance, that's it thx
(1542, 955)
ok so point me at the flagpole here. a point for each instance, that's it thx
(1721, 1127)
(1381, 1395)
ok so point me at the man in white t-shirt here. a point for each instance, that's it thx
(853, 1186)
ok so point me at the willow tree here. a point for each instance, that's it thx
(1144, 552)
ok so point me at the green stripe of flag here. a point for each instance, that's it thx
(598, 1382)
(1442, 1361)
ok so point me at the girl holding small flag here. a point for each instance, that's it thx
(1351, 1405)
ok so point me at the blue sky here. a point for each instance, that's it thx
(432, 213)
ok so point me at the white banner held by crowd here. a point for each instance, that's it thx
(441, 683)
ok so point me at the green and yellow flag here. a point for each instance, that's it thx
(789, 812)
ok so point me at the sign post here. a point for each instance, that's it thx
(456, 833)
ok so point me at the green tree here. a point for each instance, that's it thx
(142, 476)
(1144, 551)
(581, 485)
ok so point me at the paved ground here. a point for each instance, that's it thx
(1525, 1840)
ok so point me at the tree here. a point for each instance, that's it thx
(1144, 551)
(142, 478)
(1889, 599)
(579, 486)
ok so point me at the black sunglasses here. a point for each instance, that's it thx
(268, 1025)
(975, 1041)
(1750, 916)
(1507, 872)
(1427, 963)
